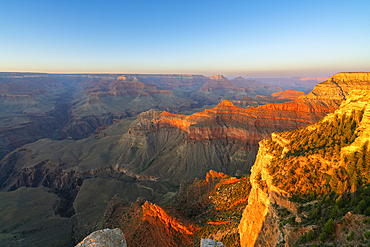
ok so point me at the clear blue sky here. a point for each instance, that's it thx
(247, 38)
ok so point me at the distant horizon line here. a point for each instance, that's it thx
(182, 74)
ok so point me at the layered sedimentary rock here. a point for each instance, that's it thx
(228, 123)
(261, 222)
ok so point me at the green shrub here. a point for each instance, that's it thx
(361, 206)
(323, 237)
(310, 235)
(367, 235)
(329, 227)
(367, 211)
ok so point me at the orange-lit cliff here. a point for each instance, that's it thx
(227, 123)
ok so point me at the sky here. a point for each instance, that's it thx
(232, 38)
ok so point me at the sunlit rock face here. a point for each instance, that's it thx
(260, 223)
(147, 224)
(238, 129)
(226, 121)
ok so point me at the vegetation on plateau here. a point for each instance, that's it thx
(329, 184)
(314, 159)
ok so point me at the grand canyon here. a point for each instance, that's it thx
(184, 160)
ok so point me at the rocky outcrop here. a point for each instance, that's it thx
(210, 243)
(147, 224)
(260, 225)
(106, 238)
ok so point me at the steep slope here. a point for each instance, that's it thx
(319, 165)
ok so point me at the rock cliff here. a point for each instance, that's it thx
(298, 164)
(260, 223)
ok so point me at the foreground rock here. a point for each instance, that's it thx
(106, 238)
(210, 243)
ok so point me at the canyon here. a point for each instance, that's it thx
(150, 136)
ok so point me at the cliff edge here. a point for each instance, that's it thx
(304, 181)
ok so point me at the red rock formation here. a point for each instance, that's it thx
(156, 216)
(148, 224)
(227, 123)
(213, 176)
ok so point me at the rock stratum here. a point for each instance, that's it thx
(322, 164)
